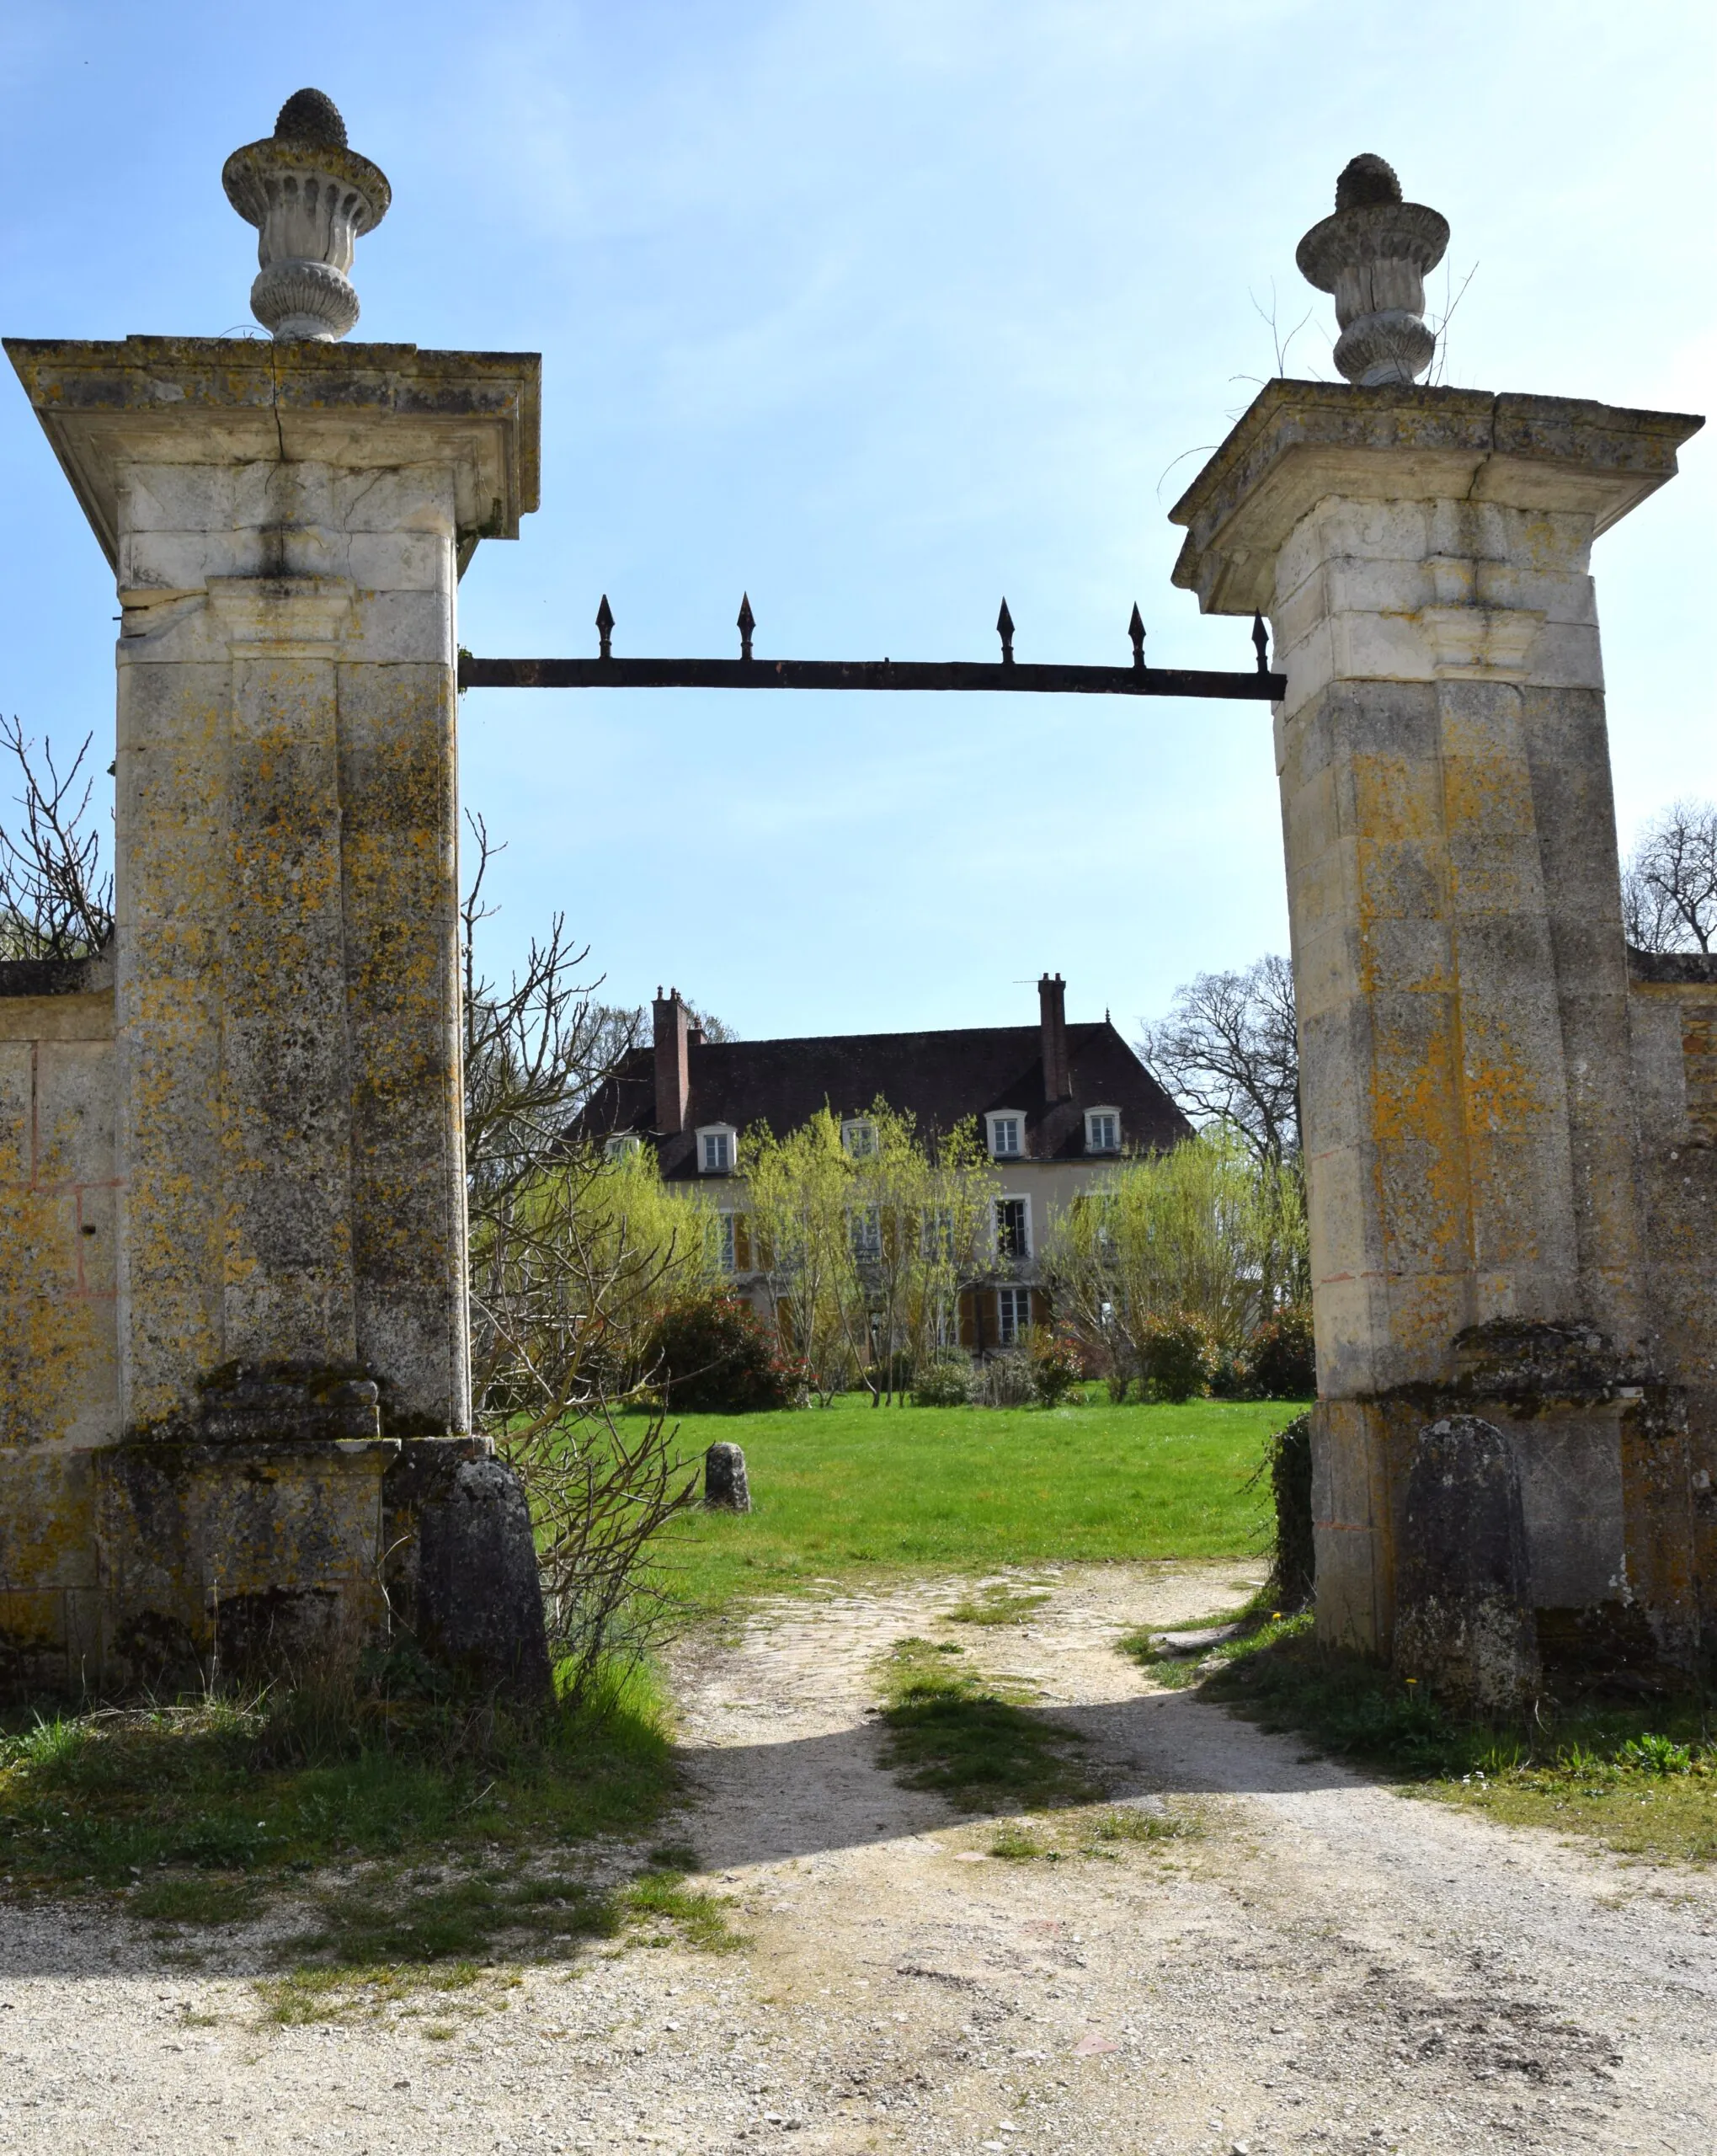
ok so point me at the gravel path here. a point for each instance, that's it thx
(1323, 1967)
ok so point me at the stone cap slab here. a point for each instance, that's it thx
(1301, 442)
(1672, 969)
(227, 400)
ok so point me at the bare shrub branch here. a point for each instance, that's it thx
(56, 896)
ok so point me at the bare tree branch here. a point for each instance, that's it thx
(56, 894)
(1228, 1052)
(1669, 882)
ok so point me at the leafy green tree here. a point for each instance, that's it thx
(1206, 1234)
(866, 1233)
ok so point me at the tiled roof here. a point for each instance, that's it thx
(943, 1078)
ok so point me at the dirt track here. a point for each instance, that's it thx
(1323, 1967)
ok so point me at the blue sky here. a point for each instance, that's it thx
(880, 311)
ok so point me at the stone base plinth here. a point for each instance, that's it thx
(171, 1562)
(1612, 1576)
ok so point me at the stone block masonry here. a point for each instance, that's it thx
(1482, 1209)
(233, 1240)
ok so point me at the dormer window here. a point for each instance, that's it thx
(620, 1145)
(1007, 1134)
(1103, 1131)
(717, 1148)
(859, 1136)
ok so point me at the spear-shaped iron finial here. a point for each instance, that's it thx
(1135, 629)
(747, 621)
(1260, 642)
(604, 627)
(1004, 625)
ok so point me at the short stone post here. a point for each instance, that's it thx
(1423, 555)
(1464, 1603)
(725, 1486)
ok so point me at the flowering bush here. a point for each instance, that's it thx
(946, 1383)
(1058, 1363)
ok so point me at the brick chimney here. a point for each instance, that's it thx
(673, 1027)
(1052, 1006)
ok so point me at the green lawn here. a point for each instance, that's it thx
(850, 1490)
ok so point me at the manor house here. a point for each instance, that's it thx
(1058, 1107)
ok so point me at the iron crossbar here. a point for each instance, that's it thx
(1009, 677)
(747, 671)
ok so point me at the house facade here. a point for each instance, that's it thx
(1058, 1107)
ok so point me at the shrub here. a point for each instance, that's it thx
(1293, 1562)
(1284, 1361)
(881, 1377)
(1057, 1364)
(1178, 1355)
(1005, 1380)
(716, 1357)
(1230, 1377)
(946, 1383)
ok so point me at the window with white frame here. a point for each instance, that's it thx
(1013, 1228)
(865, 1226)
(859, 1136)
(1013, 1316)
(1007, 1134)
(937, 1234)
(727, 1240)
(1103, 1131)
(622, 1142)
(716, 1145)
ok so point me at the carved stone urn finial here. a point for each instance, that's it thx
(1373, 254)
(310, 197)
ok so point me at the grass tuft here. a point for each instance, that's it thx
(669, 1909)
(1639, 1776)
(972, 1740)
(996, 1605)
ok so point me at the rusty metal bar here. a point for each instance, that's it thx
(1010, 678)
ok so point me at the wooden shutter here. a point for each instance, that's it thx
(968, 1318)
(742, 1243)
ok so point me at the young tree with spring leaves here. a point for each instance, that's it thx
(1205, 1232)
(867, 1237)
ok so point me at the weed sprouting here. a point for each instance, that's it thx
(996, 1605)
(669, 1909)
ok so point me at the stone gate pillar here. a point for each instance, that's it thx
(1467, 1085)
(287, 522)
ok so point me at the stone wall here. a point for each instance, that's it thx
(59, 1192)
(1672, 1006)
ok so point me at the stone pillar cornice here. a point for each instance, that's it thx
(191, 400)
(1299, 442)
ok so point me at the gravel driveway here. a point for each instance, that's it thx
(1319, 1964)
